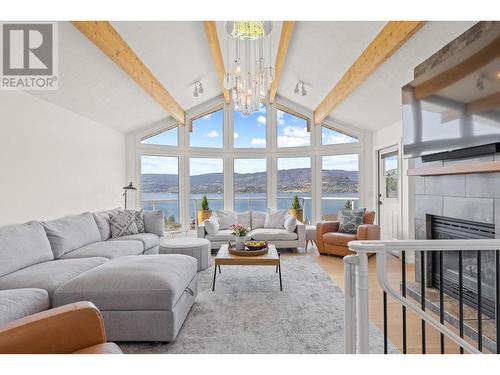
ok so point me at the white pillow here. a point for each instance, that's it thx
(226, 218)
(275, 218)
(290, 223)
(258, 219)
(243, 218)
(211, 225)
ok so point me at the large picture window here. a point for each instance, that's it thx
(168, 137)
(208, 130)
(294, 179)
(250, 184)
(339, 184)
(206, 177)
(292, 130)
(250, 131)
(330, 136)
(160, 187)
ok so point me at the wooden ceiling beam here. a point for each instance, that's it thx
(286, 36)
(466, 67)
(213, 42)
(386, 43)
(484, 104)
(107, 39)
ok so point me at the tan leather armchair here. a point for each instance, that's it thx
(76, 328)
(330, 241)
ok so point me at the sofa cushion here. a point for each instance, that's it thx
(350, 220)
(154, 282)
(243, 218)
(148, 240)
(273, 234)
(290, 223)
(258, 219)
(339, 239)
(226, 218)
(102, 221)
(49, 275)
(139, 221)
(71, 233)
(154, 222)
(106, 249)
(275, 218)
(18, 303)
(221, 235)
(123, 223)
(23, 245)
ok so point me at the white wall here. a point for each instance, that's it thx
(389, 136)
(54, 162)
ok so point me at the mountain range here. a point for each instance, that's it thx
(293, 180)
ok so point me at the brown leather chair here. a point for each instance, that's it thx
(330, 241)
(76, 328)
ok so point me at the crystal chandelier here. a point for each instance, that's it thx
(248, 78)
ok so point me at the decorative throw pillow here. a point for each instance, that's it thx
(350, 220)
(211, 225)
(123, 223)
(226, 218)
(275, 218)
(139, 221)
(290, 223)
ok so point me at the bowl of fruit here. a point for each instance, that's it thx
(256, 245)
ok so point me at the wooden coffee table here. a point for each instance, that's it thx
(224, 258)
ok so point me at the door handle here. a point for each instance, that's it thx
(379, 203)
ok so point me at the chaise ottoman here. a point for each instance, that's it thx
(141, 298)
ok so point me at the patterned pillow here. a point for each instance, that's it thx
(350, 220)
(123, 223)
(139, 220)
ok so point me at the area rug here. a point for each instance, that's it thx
(248, 314)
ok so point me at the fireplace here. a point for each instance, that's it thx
(440, 227)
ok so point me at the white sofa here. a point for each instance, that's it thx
(279, 237)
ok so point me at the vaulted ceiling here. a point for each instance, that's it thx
(178, 54)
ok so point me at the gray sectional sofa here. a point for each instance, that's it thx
(47, 264)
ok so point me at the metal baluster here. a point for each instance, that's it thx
(497, 298)
(441, 298)
(479, 305)
(385, 322)
(403, 292)
(422, 293)
(461, 295)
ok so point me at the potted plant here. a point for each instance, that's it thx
(296, 210)
(239, 231)
(348, 205)
(204, 212)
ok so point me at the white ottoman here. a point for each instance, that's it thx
(198, 248)
(310, 234)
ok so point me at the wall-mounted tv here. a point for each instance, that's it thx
(454, 109)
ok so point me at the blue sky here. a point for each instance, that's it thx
(344, 162)
(332, 137)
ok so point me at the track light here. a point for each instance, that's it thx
(300, 89)
(198, 89)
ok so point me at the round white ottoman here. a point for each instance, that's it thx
(310, 234)
(198, 248)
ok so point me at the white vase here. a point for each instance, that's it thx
(240, 243)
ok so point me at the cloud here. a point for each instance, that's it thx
(345, 162)
(207, 117)
(236, 135)
(213, 134)
(258, 142)
(294, 136)
(337, 138)
(159, 164)
(199, 166)
(280, 117)
(261, 120)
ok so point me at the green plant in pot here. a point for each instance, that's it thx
(348, 205)
(296, 209)
(204, 212)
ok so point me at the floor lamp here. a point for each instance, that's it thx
(126, 189)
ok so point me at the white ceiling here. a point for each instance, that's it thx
(177, 53)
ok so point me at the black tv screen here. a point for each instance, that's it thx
(465, 113)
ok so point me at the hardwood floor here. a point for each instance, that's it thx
(334, 267)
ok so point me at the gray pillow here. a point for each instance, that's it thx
(102, 221)
(123, 223)
(350, 220)
(290, 223)
(139, 221)
(211, 225)
(71, 233)
(154, 222)
(275, 218)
